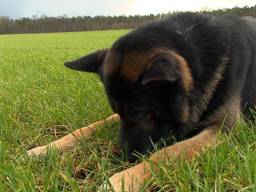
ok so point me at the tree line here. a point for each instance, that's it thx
(44, 24)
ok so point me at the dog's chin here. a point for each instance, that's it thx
(133, 156)
(145, 151)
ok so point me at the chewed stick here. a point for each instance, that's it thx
(69, 141)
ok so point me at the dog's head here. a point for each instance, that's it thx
(147, 84)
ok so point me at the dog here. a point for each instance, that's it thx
(189, 77)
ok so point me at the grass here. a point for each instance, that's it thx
(40, 101)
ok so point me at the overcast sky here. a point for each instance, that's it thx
(27, 8)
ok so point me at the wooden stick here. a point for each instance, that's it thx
(69, 141)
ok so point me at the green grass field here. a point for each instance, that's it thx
(41, 100)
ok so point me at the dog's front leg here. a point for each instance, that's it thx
(131, 179)
(70, 140)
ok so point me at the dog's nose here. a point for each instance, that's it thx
(132, 158)
(125, 155)
(134, 154)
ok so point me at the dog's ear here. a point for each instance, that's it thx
(88, 63)
(162, 70)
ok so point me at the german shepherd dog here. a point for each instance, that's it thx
(188, 76)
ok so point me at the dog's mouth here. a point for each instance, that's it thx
(132, 156)
(148, 149)
(133, 149)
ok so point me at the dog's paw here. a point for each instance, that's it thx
(37, 151)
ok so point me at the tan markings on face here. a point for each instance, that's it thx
(111, 62)
(184, 114)
(185, 71)
(135, 64)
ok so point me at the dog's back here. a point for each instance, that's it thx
(249, 92)
(251, 21)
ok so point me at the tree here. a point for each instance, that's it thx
(63, 23)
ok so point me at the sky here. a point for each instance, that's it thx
(28, 8)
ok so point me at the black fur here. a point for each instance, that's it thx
(151, 111)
